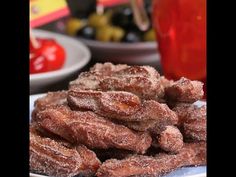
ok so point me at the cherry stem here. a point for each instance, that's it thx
(34, 41)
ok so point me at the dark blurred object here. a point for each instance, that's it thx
(123, 17)
(132, 37)
(78, 8)
(81, 8)
(148, 7)
(87, 32)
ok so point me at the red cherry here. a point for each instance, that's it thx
(38, 63)
(52, 55)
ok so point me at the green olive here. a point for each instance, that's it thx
(96, 20)
(117, 34)
(104, 33)
(73, 25)
(149, 35)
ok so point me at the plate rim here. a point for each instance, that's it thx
(119, 46)
(194, 175)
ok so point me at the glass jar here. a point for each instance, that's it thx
(180, 27)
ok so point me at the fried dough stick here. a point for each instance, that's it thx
(170, 139)
(143, 81)
(192, 121)
(139, 166)
(91, 130)
(52, 98)
(52, 158)
(111, 104)
(121, 105)
(184, 90)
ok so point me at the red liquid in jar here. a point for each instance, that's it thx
(180, 26)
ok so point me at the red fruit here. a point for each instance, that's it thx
(52, 55)
(38, 63)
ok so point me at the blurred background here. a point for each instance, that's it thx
(115, 24)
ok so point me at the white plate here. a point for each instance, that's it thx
(140, 53)
(77, 56)
(182, 172)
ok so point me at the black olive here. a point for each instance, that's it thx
(87, 32)
(123, 17)
(131, 37)
(149, 11)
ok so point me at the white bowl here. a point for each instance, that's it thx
(140, 53)
(77, 56)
